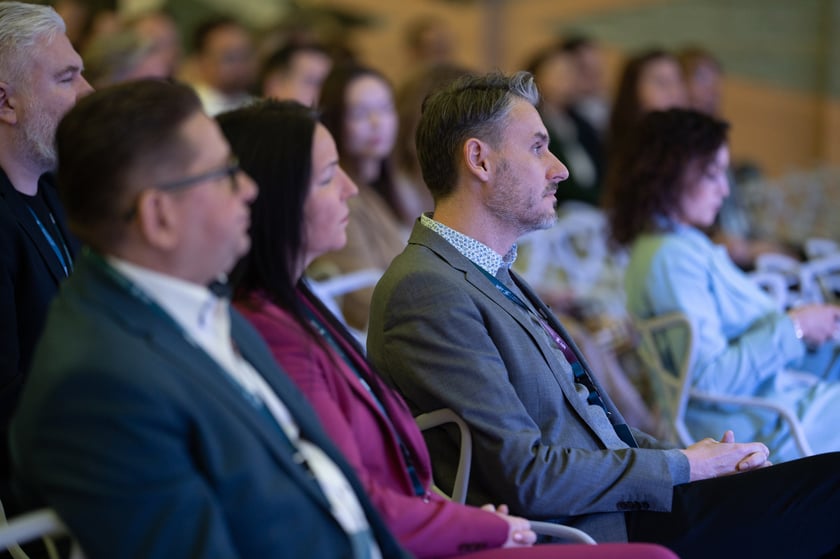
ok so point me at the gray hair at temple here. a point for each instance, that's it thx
(470, 107)
(21, 26)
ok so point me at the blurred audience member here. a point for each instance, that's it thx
(571, 138)
(119, 57)
(295, 71)
(650, 80)
(734, 227)
(225, 64)
(160, 30)
(591, 98)
(664, 189)
(429, 41)
(357, 107)
(703, 76)
(86, 19)
(414, 195)
(40, 80)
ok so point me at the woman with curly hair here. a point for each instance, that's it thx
(667, 186)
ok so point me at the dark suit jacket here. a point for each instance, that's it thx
(446, 337)
(29, 276)
(147, 449)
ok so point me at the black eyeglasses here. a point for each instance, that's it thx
(230, 169)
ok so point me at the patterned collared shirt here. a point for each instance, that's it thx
(477, 252)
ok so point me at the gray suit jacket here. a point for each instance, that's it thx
(444, 336)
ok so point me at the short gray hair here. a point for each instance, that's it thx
(21, 26)
(470, 107)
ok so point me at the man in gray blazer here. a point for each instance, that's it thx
(451, 326)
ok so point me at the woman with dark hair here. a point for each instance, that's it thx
(650, 80)
(301, 213)
(668, 185)
(357, 107)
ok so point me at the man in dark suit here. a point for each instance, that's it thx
(40, 79)
(451, 326)
(155, 420)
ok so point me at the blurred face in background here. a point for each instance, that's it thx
(370, 126)
(302, 81)
(557, 80)
(228, 62)
(661, 85)
(704, 87)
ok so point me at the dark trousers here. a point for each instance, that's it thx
(787, 510)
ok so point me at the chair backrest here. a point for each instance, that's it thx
(30, 526)
(669, 373)
(442, 416)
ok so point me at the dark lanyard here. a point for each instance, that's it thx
(580, 375)
(67, 264)
(141, 296)
(322, 329)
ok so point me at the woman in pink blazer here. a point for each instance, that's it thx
(301, 213)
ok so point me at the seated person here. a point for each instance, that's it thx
(665, 187)
(451, 327)
(302, 212)
(155, 420)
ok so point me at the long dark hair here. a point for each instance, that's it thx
(627, 107)
(333, 108)
(653, 171)
(273, 141)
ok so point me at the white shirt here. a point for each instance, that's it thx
(205, 320)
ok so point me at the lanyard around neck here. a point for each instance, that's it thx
(63, 253)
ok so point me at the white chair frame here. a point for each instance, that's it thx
(462, 477)
(30, 526)
(673, 385)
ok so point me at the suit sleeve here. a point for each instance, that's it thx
(428, 527)
(439, 348)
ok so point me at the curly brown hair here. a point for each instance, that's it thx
(652, 172)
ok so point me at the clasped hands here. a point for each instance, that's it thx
(709, 458)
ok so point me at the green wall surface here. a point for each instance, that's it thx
(786, 43)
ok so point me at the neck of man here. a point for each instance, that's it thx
(22, 173)
(470, 217)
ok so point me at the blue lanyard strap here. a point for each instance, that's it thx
(62, 255)
(580, 375)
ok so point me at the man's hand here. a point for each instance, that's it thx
(710, 458)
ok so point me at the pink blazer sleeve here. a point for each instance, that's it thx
(427, 526)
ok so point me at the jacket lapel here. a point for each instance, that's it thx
(27, 223)
(477, 279)
(166, 339)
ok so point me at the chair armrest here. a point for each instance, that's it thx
(786, 414)
(462, 477)
(561, 531)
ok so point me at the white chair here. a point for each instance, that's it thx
(671, 379)
(776, 285)
(30, 526)
(462, 477)
(330, 290)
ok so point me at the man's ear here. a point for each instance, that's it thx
(157, 218)
(476, 158)
(8, 104)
